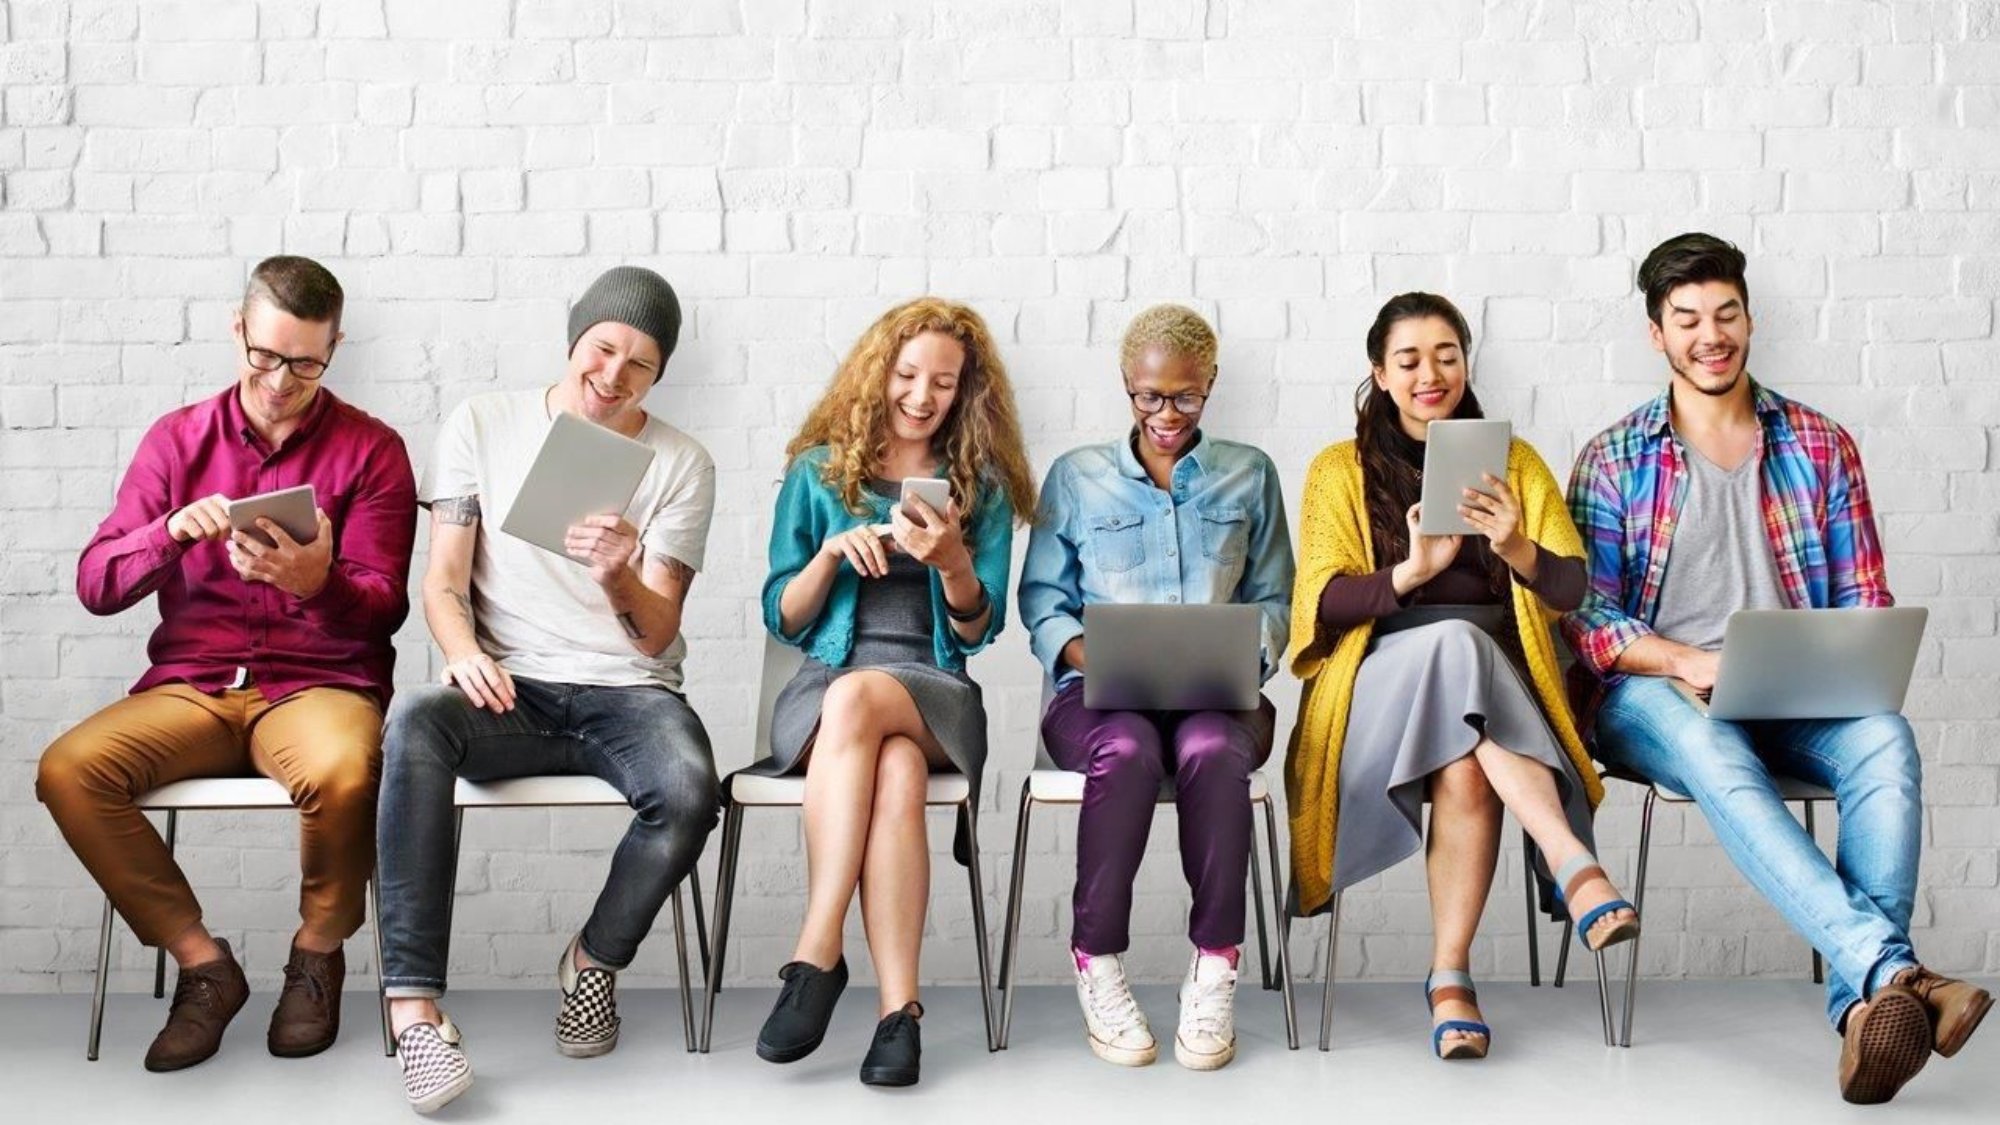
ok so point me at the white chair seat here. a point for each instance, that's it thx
(550, 790)
(218, 793)
(1063, 787)
(756, 789)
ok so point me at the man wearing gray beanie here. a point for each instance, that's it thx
(569, 664)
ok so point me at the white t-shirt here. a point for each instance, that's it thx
(537, 613)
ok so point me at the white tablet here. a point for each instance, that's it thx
(290, 508)
(1458, 452)
(581, 470)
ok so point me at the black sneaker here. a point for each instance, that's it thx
(798, 1020)
(892, 1057)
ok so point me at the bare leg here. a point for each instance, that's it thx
(196, 946)
(404, 1011)
(1528, 789)
(861, 711)
(1463, 848)
(896, 872)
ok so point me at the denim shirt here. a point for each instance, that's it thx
(1106, 533)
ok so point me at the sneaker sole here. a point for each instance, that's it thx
(1123, 1056)
(586, 1050)
(1967, 1024)
(1895, 1045)
(788, 1054)
(1196, 1061)
(888, 1076)
(438, 1098)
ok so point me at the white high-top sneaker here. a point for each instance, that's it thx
(1206, 1038)
(1111, 1017)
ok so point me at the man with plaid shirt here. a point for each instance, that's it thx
(1722, 495)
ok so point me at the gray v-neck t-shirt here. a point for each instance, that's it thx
(1720, 560)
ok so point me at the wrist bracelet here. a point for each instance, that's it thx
(968, 616)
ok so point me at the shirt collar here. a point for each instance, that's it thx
(1130, 465)
(1657, 417)
(238, 420)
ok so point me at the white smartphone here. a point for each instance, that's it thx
(935, 491)
(289, 508)
(1457, 454)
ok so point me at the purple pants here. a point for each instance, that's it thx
(1124, 755)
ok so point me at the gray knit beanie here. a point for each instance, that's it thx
(630, 295)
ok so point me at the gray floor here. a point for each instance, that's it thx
(1727, 1051)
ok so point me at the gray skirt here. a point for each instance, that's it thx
(950, 703)
(1423, 699)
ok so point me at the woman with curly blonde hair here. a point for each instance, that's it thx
(887, 600)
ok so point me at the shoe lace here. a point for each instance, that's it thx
(1114, 1003)
(195, 990)
(313, 981)
(1207, 1004)
(793, 994)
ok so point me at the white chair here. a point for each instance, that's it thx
(562, 791)
(1049, 785)
(207, 794)
(742, 790)
(1791, 790)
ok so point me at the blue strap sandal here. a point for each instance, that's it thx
(1451, 984)
(1580, 870)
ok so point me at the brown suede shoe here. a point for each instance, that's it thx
(1888, 1040)
(206, 998)
(307, 1019)
(1955, 1006)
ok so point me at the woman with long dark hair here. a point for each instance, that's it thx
(1430, 669)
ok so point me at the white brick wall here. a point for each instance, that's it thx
(796, 166)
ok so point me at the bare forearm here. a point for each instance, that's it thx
(651, 620)
(962, 592)
(448, 612)
(1655, 655)
(805, 595)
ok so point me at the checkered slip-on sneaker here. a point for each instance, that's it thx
(587, 1025)
(434, 1068)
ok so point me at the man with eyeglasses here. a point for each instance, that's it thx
(1168, 515)
(272, 656)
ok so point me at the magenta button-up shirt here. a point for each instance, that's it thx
(212, 622)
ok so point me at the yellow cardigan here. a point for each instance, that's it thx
(1334, 541)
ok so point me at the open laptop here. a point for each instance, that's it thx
(1172, 657)
(1812, 663)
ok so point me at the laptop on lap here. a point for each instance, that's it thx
(1172, 657)
(1812, 663)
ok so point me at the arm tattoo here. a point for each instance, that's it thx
(631, 625)
(675, 568)
(463, 602)
(460, 511)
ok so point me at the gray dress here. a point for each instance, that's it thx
(1433, 682)
(894, 633)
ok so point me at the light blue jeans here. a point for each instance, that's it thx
(1854, 910)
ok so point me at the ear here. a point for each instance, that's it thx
(1375, 373)
(236, 324)
(1658, 337)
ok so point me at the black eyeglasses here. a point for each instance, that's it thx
(1152, 402)
(306, 367)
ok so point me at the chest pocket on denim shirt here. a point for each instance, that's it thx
(1117, 541)
(1225, 533)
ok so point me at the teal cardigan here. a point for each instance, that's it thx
(809, 511)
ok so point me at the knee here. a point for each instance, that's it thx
(342, 781)
(1206, 744)
(1127, 745)
(1462, 784)
(902, 774)
(1885, 752)
(851, 708)
(72, 766)
(420, 721)
(683, 793)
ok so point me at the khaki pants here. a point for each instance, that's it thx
(324, 745)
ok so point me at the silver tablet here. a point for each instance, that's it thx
(1457, 452)
(1171, 657)
(290, 508)
(582, 470)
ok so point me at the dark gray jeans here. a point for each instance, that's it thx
(645, 741)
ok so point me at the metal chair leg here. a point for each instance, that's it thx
(160, 952)
(700, 924)
(681, 960)
(1278, 913)
(1257, 906)
(979, 924)
(1818, 963)
(1639, 905)
(1534, 931)
(97, 989)
(1562, 952)
(381, 989)
(1010, 938)
(725, 879)
(1604, 997)
(1326, 989)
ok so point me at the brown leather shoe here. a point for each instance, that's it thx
(307, 1019)
(206, 998)
(1955, 1006)
(1888, 1040)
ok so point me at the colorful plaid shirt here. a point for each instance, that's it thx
(1626, 496)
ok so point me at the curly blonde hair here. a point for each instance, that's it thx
(979, 439)
(1174, 329)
